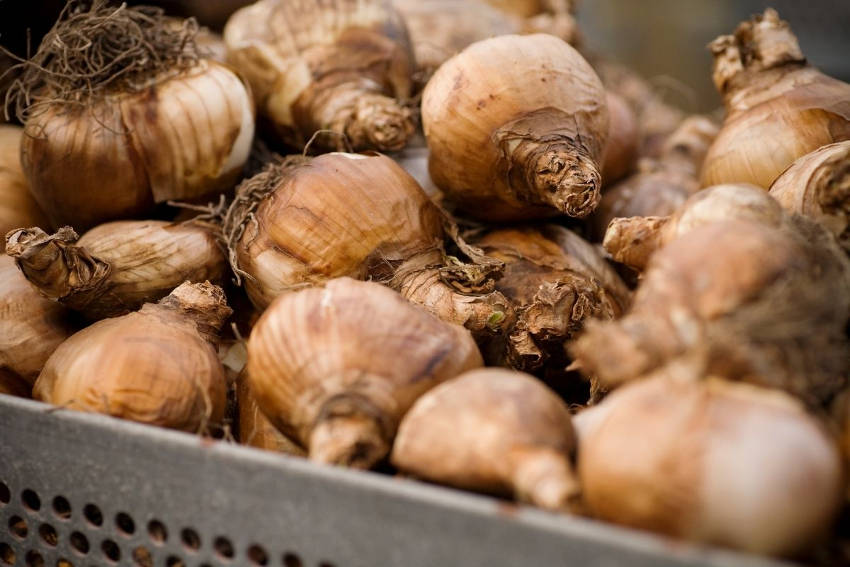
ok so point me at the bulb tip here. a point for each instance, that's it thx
(349, 441)
(386, 125)
(568, 181)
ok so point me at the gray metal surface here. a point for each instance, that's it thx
(92, 490)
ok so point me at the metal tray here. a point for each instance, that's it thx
(81, 489)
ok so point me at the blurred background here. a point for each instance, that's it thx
(666, 39)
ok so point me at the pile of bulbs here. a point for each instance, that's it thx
(600, 306)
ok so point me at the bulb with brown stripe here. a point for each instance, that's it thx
(123, 114)
(17, 206)
(778, 108)
(342, 69)
(117, 267)
(157, 365)
(336, 367)
(304, 221)
(516, 128)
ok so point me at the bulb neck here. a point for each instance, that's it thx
(544, 477)
(686, 148)
(632, 240)
(350, 431)
(61, 270)
(203, 303)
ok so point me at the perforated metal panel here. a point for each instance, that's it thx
(78, 489)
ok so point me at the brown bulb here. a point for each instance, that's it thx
(307, 220)
(778, 108)
(738, 298)
(623, 137)
(556, 281)
(492, 430)
(17, 206)
(255, 429)
(117, 267)
(30, 329)
(817, 185)
(516, 127)
(323, 366)
(714, 462)
(340, 70)
(156, 366)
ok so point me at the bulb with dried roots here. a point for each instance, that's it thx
(157, 365)
(117, 267)
(711, 461)
(122, 113)
(17, 206)
(662, 184)
(817, 185)
(778, 108)
(496, 431)
(304, 221)
(339, 70)
(516, 127)
(30, 329)
(738, 298)
(556, 281)
(324, 367)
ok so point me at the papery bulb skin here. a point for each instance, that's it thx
(255, 429)
(117, 267)
(156, 366)
(339, 70)
(284, 234)
(713, 462)
(319, 367)
(660, 186)
(778, 108)
(817, 185)
(516, 127)
(740, 298)
(30, 329)
(113, 128)
(17, 206)
(633, 240)
(492, 430)
(556, 281)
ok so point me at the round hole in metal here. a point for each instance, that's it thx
(292, 560)
(31, 500)
(34, 559)
(223, 547)
(142, 557)
(7, 554)
(61, 508)
(48, 534)
(174, 561)
(18, 527)
(257, 555)
(5, 493)
(93, 515)
(125, 524)
(158, 532)
(111, 550)
(190, 539)
(326, 564)
(79, 543)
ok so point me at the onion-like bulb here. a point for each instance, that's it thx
(714, 462)
(492, 430)
(660, 186)
(17, 206)
(440, 28)
(122, 114)
(339, 69)
(255, 429)
(778, 108)
(739, 298)
(30, 329)
(116, 267)
(157, 365)
(516, 127)
(621, 150)
(307, 220)
(556, 281)
(320, 369)
(817, 185)
(633, 240)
